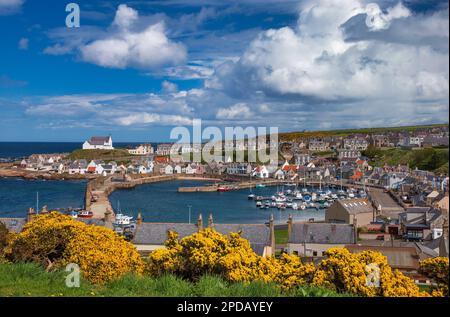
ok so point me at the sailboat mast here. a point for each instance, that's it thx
(37, 202)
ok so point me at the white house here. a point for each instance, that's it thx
(177, 169)
(168, 169)
(189, 170)
(141, 150)
(261, 172)
(98, 143)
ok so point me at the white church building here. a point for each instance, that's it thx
(98, 143)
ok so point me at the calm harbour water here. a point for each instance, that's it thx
(160, 202)
(17, 195)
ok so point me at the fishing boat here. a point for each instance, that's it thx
(258, 204)
(122, 219)
(73, 214)
(307, 198)
(295, 206)
(85, 214)
(260, 186)
(302, 206)
(223, 189)
(251, 196)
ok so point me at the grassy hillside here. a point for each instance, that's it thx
(106, 155)
(31, 280)
(289, 136)
(430, 159)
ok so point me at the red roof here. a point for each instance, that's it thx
(91, 169)
(287, 168)
(357, 175)
(161, 159)
(360, 162)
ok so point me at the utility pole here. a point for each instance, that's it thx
(37, 202)
(189, 206)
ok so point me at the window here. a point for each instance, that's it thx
(314, 253)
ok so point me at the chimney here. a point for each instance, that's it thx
(210, 221)
(289, 223)
(108, 219)
(199, 222)
(139, 219)
(272, 234)
(30, 215)
(355, 229)
(44, 210)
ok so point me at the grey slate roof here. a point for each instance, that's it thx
(156, 233)
(14, 224)
(98, 140)
(257, 234)
(356, 205)
(326, 233)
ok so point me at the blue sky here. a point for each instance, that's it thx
(136, 69)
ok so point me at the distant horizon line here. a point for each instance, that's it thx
(288, 132)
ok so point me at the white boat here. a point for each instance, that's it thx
(251, 196)
(258, 204)
(122, 219)
(351, 195)
(302, 206)
(294, 206)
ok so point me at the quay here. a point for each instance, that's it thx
(99, 189)
(237, 185)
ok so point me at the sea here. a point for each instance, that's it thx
(10, 151)
(157, 202)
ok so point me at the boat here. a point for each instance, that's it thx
(251, 196)
(122, 219)
(223, 189)
(85, 214)
(258, 204)
(73, 214)
(260, 186)
(302, 206)
(307, 198)
(295, 206)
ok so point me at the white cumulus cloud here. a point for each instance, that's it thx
(145, 49)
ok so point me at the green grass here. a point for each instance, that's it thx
(27, 279)
(281, 236)
(106, 155)
(430, 159)
(289, 136)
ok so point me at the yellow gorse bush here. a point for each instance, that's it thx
(232, 257)
(55, 240)
(344, 271)
(437, 269)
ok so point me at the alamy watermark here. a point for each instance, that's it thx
(73, 278)
(73, 18)
(238, 144)
(373, 275)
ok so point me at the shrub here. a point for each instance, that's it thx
(231, 257)
(436, 269)
(344, 271)
(54, 240)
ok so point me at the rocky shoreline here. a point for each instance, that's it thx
(12, 172)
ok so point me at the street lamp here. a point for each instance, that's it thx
(189, 206)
